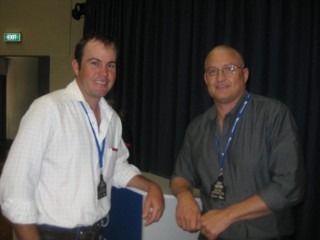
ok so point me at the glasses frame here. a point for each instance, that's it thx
(227, 69)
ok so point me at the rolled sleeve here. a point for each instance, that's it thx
(20, 175)
(123, 171)
(19, 211)
(287, 185)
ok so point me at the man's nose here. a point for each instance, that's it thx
(220, 75)
(104, 71)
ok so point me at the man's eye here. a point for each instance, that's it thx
(111, 65)
(230, 68)
(212, 71)
(95, 63)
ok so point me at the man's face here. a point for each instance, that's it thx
(225, 87)
(97, 73)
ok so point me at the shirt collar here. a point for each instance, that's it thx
(237, 107)
(74, 93)
(233, 112)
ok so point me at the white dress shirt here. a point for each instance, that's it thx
(52, 171)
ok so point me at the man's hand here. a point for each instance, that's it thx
(26, 231)
(154, 202)
(187, 212)
(214, 222)
(153, 205)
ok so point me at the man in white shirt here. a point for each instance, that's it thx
(68, 153)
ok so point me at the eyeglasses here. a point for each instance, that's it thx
(227, 69)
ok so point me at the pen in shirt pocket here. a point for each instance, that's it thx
(114, 149)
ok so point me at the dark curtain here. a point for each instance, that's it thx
(163, 44)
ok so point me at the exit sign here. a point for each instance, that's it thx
(12, 37)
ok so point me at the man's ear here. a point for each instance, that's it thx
(205, 79)
(75, 67)
(245, 74)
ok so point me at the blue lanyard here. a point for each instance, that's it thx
(222, 155)
(100, 150)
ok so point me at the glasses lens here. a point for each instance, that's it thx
(212, 72)
(226, 69)
(229, 69)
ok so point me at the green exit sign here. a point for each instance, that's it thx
(12, 37)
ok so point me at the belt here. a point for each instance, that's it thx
(201, 237)
(79, 233)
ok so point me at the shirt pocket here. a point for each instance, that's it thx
(110, 162)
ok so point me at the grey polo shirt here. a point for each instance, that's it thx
(265, 158)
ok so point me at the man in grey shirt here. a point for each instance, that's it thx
(245, 156)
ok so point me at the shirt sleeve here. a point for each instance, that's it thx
(22, 168)
(123, 171)
(286, 166)
(184, 165)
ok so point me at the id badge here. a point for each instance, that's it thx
(218, 190)
(102, 188)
